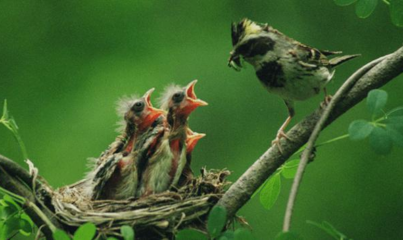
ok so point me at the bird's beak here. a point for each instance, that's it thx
(192, 140)
(152, 113)
(192, 102)
(234, 61)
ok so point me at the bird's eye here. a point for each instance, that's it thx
(178, 97)
(138, 106)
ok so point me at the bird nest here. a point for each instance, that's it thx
(156, 216)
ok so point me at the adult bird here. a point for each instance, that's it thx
(116, 177)
(284, 66)
(164, 168)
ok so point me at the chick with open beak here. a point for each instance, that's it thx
(117, 176)
(164, 170)
(192, 138)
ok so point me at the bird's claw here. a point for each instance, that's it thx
(276, 141)
(326, 101)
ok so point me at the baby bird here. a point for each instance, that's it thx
(284, 66)
(116, 177)
(191, 140)
(165, 167)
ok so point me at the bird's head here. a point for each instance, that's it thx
(191, 139)
(141, 112)
(240, 32)
(181, 101)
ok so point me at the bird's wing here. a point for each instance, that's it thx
(148, 145)
(115, 147)
(103, 174)
(310, 55)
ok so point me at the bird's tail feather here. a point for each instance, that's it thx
(339, 60)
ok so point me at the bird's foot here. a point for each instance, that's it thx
(326, 101)
(280, 134)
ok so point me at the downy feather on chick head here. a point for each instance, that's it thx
(123, 105)
(139, 112)
(180, 101)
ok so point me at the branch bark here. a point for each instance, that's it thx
(241, 191)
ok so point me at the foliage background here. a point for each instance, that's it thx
(64, 64)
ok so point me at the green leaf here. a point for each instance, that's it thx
(190, 234)
(26, 217)
(6, 212)
(60, 235)
(243, 234)
(216, 221)
(111, 238)
(360, 129)
(289, 169)
(376, 100)
(396, 136)
(10, 227)
(85, 232)
(25, 227)
(270, 192)
(5, 110)
(11, 202)
(229, 235)
(127, 232)
(344, 2)
(380, 141)
(395, 122)
(396, 12)
(288, 236)
(364, 8)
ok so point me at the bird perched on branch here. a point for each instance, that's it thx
(285, 67)
(116, 177)
(163, 170)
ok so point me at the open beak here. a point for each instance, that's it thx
(191, 95)
(152, 113)
(234, 61)
(192, 102)
(192, 140)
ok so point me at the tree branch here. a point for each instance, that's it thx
(241, 191)
(315, 134)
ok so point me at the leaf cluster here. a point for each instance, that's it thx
(87, 231)
(383, 132)
(216, 222)
(270, 190)
(364, 8)
(13, 220)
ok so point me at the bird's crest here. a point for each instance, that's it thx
(167, 94)
(243, 28)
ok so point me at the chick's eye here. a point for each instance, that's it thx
(178, 97)
(138, 106)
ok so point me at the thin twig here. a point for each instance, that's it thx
(315, 134)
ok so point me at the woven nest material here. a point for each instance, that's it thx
(156, 215)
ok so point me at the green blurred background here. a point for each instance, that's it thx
(64, 64)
